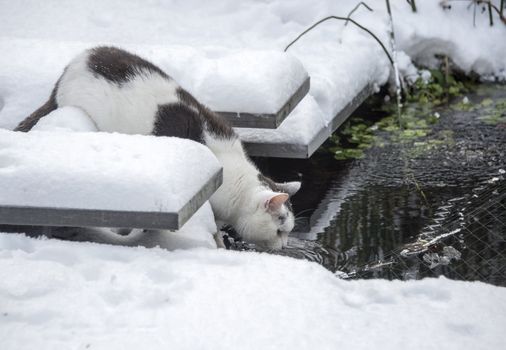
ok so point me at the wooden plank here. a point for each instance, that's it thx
(295, 150)
(190, 208)
(38, 216)
(266, 120)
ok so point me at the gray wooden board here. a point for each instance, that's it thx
(295, 150)
(40, 216)
(266, 120)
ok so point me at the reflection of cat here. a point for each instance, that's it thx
(122, 92)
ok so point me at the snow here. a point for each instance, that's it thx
(480, 48)
(245, 81)
(67, 118)
(56, 294)
(101, 170)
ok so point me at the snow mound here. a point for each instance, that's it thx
(67, 118)
(56, 294)
(473, 47)
(247, 81)
(101, 171)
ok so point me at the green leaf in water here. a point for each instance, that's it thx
(487, 102)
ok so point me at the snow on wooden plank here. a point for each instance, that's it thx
(282, 145)
(268, 120)
(102, 179)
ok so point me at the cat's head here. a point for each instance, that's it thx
(271, 217)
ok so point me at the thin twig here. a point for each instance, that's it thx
(413, 5)
(342, 19)
(355, 9)
(490, 18)
(447, 77)
(491, 5)
(474, 14)
(500, 11)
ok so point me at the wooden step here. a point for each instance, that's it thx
(290, 149)
(266, 120)
(78, 179)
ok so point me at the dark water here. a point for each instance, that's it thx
(405, 211)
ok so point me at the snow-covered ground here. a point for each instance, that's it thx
(68, 295)
(56, 294)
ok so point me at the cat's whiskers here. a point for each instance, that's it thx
(303, 211)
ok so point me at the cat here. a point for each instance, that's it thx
(122, 92)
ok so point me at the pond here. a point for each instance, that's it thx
(434, 205)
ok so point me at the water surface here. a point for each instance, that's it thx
(410, 209)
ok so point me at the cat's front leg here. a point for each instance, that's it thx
(219, 238)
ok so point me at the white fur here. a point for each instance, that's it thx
(240, 199)
(129, 109)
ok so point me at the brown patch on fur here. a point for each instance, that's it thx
(216, 124)
(119, 66)
(269, 183)
(178, 120)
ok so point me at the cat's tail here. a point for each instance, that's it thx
(29, 122)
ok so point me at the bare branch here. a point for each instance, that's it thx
(355, 9)
(412, 4)
(491, 6)
(342, 19)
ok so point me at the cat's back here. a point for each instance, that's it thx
(119, 90)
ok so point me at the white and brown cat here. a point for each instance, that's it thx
(122, 92)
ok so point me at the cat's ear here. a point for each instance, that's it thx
(289, 187)
(275, 201)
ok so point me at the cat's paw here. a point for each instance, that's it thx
(219, 239)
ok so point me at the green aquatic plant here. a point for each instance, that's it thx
(439, 89)
(494, 111)
(416, 118)
(356, 135)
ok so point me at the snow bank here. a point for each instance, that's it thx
(476, 48)
(101, 170)
(56, 294)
